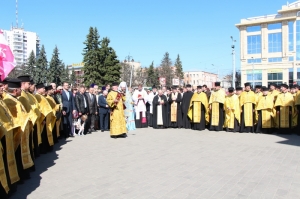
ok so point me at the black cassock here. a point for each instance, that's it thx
(200, 126)
(221, 119)
(178, 123)
(247, 129)
(185, 104)
(164, 111)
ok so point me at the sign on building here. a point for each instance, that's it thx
(162, 81)
(175, 82)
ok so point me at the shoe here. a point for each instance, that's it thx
(113, 136)
(71, 136)
(102, 130)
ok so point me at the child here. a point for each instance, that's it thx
(80, 125)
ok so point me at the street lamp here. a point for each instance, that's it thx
(129, 59)
(233, 62)
(252, 72)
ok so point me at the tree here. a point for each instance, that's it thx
(73, 77)
(166, 70)
(40, 72)
(156, 77)
(65, 76)
(178, 68)
(55, 67)
(29, 67)
(110, 65)
(140, 76)
(151, 80)
(92, 58)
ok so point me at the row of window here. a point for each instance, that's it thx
(258, 76)
(271, 60)
(274, 26)
(274, 43)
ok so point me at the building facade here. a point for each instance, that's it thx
(78, 72)
(21, 43)
(270, 47)
(196, 78)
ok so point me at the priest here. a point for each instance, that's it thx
(175, 118)
(150, 98)
(198, 110)
(216, 107)
(247, 106)
(115, 100)
(185, 104)
(140, 98)
(232, 111)
(159, 110)
(284, 109)
(265, 112)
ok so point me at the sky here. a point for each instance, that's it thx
(199, 31)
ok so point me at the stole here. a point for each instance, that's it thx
(215, 114)
(196, 112)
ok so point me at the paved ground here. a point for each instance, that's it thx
(169, 164)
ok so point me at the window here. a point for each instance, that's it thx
(275, 59)
(275, 42)
(274, 76)
(254, 44)
(187, 75)
(297, 40)
(250, 61)
(253, 28)
(256, 76)
(274, 26)
(275, 82)
(291, 58)
(291, 36)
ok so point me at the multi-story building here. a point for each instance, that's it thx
(270, 47)
(21, 43)
(78, 72)
(196, 78)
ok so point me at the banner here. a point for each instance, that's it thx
(162, 81)
(7, 60)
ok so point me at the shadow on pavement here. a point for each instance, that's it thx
(42, 164)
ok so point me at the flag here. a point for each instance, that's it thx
(7, 60)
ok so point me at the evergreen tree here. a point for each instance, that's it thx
(55, 67)
(110, 65)
(64, 77)
(178, 69)
(125, 72)
(29, 67)
(73, 77)
(151, 80)
(91, 59)
(156, 77)
(41, 67)
(166, 70)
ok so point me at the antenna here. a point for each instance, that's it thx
(17, 13)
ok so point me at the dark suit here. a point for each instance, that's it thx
(92, 104)
(68, 106)
(103, 112)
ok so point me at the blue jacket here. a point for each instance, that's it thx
(102, 104)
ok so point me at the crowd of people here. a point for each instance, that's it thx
(34, 116)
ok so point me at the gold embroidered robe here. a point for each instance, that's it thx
(284, 101)
(232, 111)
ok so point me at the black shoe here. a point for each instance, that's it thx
(102, 130)
(113, 136)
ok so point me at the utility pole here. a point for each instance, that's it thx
(233, 61)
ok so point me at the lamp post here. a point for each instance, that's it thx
(252, 72)
(129, 59)
(233, 61)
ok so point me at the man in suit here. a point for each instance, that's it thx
(93, 110)
(68, 109)
(104, 111)
(82, 105)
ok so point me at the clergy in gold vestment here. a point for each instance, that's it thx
(284, 109)
(9, 176)
(55, 109)
(295, 112)
(247, 107)
(115, 101)
(198, 110)
(46, 119)
(20, 118)
(265, 111)
(216, 106)
(175, 118)
(232, 111)
(297, 108)
(273, 93)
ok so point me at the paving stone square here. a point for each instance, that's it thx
(168, 163)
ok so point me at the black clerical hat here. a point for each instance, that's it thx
(230, 89)
(189, 86)
(247, 84)
(154, 87)
(258, 87)
(239, 88)
(40, 85)
(284, 85)
(217, 83)
(5, 81)
(174, 87)
(32, 82)
(14, 83)
(199, 87)
(24, 78)
(264, 88)
(115, 84)
(48, 87)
